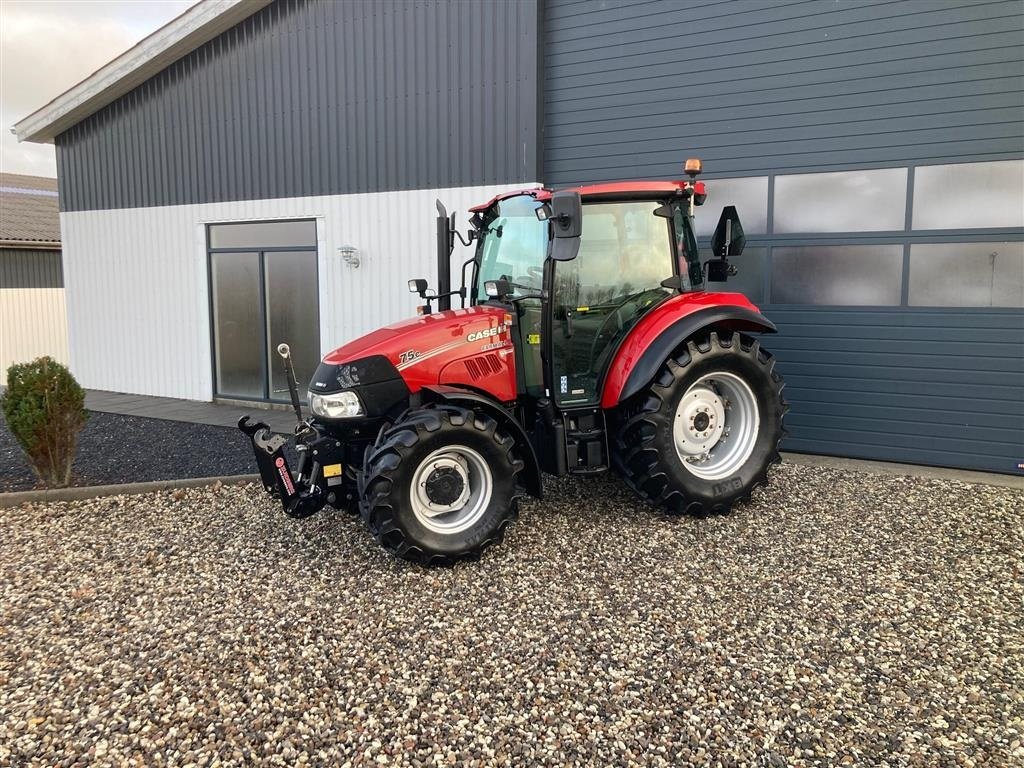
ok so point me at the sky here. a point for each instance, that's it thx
(47, 46)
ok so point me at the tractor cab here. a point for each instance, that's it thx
(633, 253)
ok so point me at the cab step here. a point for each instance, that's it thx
(586, 441)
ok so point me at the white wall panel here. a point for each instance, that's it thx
(32, 324)
(138, 296)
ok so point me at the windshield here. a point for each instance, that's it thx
(514, 246)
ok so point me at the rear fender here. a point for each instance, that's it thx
(442, 393)
(644, 350)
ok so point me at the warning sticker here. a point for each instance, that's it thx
(285, 475)
(332, 470)
(533, 338)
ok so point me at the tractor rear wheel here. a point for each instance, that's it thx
(703, 435)
(441, 484)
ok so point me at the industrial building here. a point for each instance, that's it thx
(261, 171)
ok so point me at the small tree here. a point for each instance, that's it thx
(45, 410)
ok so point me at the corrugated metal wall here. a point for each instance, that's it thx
(759, 88)
(633, 88)
(138, 296)
(33, 322)
(27, 268)
(313, 97)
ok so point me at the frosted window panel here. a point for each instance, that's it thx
(238, 337)
(847, 201)
(967, 275)
(749, 279)
(969, 195)
(750, 196)
(263, 234)
(293, 317)
(865, 275)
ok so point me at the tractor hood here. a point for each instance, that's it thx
(421, 351)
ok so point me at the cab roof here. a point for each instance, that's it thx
(612, 190)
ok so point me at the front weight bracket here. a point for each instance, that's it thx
(298, 497)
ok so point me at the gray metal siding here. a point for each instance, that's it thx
(311, 97)
(935, 387)
(27, 268)
(752, 86)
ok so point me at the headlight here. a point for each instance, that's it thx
(340, 405)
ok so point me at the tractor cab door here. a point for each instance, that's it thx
(626, 251)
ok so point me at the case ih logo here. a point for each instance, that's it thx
(283, 473)
(487, 333)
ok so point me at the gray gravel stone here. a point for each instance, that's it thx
(838, 619)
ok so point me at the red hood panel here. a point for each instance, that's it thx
(425, 348)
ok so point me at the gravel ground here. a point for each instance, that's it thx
(840, 619)
(132, 449)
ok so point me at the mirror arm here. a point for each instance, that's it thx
(462, 289)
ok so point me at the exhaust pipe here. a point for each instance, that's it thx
(445, 246)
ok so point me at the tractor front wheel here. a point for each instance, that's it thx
(703, 435)
(440, 485)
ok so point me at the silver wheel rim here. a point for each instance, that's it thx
(465, 510)
(716, 425)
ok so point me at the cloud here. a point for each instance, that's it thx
(47, 47)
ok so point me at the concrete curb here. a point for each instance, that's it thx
(96, 491)
(912, 470)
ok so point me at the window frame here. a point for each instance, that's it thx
(268, 395)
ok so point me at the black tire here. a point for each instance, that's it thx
(390, 467)
(645, 452)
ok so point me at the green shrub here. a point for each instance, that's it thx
(45, 409)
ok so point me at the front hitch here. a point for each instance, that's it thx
(298, 497)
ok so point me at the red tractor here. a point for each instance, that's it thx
(586, 340)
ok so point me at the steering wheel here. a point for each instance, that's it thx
(534, 278)
(616, 314)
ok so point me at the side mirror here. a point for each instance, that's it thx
(728, 239)
(418, 286)
(567, 213)
(566, 224)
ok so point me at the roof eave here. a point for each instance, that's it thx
(31, 245)
(198, 25)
